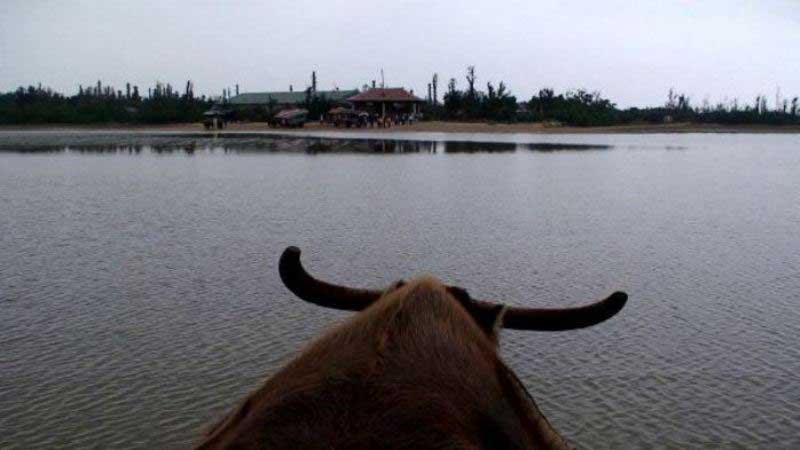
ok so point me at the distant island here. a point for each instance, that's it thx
(470, 109)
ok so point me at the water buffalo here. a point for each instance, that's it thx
(416, 368)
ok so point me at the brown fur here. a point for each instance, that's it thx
(416, 370)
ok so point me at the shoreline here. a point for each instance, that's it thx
(426, 127)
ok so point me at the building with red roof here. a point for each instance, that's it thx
(387, 101)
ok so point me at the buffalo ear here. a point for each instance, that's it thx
(487, 316)
(394, 286)
(490, 320)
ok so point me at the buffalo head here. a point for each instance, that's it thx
(417, 367)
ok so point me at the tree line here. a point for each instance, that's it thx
(100, 103)
(495, 103)
(580, 107)
(162, 103)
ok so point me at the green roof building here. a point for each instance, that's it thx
(287, 98)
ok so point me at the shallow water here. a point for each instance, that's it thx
(140, 299)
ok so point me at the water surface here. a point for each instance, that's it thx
(140, 299)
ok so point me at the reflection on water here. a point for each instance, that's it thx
(192, 143)
(552, 147)
(474, 147)
(319, 145)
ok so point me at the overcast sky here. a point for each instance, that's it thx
(630, 51)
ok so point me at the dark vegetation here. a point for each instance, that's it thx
(317, 105)
(583, 108)
(102, 104)
(163, 104)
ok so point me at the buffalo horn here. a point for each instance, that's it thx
(558, 319)
(310, 289)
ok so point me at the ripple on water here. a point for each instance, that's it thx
(140, 301)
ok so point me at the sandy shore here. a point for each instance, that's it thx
(439, 127)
